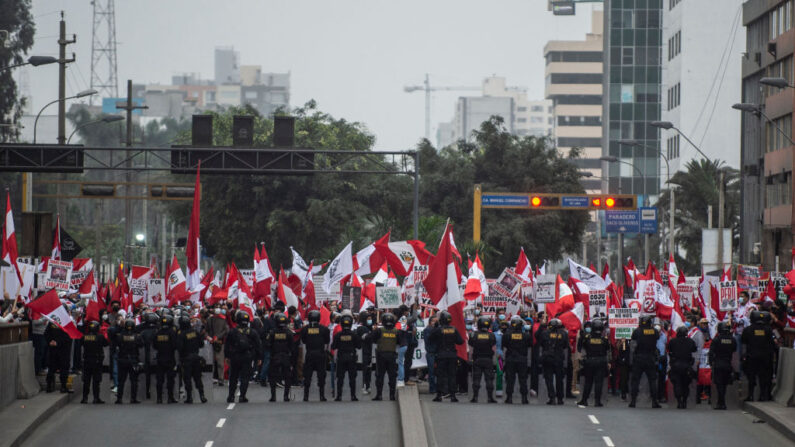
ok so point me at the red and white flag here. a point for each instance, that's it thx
(176, 289)
(308, 292)
(382, 275)
(400, 255)
(138, 280)
(673, 271)
(391, 280)
(12, 280)
(49, 306)
(56, 240)
(368, 259)
(192, 250)
(476, 283)
(523, 267)
(232, 282)
(244, 298)
(283, 291)
(442, 287)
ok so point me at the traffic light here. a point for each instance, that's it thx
(544, 201)
(620, 202)
(596, 202)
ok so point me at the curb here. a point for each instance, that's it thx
(764, 413)
(412, 423)
(17, 439)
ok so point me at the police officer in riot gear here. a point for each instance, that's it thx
(189, 342)
(346, 342)
(148, 330)
(316, 339)
(680, 351)
(644, 354)
(483, 342)
(129, 344)
(241, 348)
(446, 337)
(59, 353)
(720, 359)
(386, 342)
(597, 350)
(554, 341)
(362, 331)
(758, 349)
(165, 343)
(93, 356)
(280, 341)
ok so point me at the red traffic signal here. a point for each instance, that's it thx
(596, 202)
(535, 201)
(610, 202)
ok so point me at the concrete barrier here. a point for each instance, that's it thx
(411, 421)
(17, 378)
(13, 333)
(784, 391)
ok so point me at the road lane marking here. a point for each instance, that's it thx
(608, 441)
(593, 419)
(208, 444)
(230, 407)
(220, 422)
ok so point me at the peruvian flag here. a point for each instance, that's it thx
(400, 255)
(564, 299)
(88, 291)
(192, 248)
(81, 267)
(308, 292)
(523, 268)
(631, 273)
(51, 308)
(673, 271)
(382, 275)
(244, 301)
(139, 273)
(283, 291)
(368, 259)
(56, 240)
(606, 274)
(769, 294)
(176, 289)
(11, 281)
(442, 287)
(196, 295)
(391, 280)
(232, 282)
(476, 283)
(263, 275)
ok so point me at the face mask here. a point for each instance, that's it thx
(105, 317)
(587, 330)
(687, 324)
(469, 327)
(369, 322)
(501, 316)
(658, 328)
(477, 311)
(526, 327)
(218, 311)
(115, 308)
(223, 311)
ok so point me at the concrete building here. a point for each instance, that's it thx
(701, 80)
(631, 81)
(227, 66)
(766, 154)
(574, 86)
(522, 117)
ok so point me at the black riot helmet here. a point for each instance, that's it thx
(645, 321)
(184, 322)
(597, 327)
(555, 324)
(280, 319)
(516, 322)
(242, 318)
(129, 324)
(346, 321)
(166, 320)
(93, 327)
(150, 318)
(484, 323)
(756, 317)
(766, 318)
(363, 316)
(388, 320)
(681, 331)
(723, 328)
(313, 317)
(445, 318)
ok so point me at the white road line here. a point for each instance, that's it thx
(208, 444)
(220, 422)
(230, 407)
(593, 419)
(608, 441)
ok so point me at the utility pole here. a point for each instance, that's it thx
(671, 221)
(129, 107)
(62, 61)
(721, 214)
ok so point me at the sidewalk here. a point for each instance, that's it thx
(20, 418)
(779, 417)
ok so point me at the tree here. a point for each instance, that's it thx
(697, 189)
(15, 18)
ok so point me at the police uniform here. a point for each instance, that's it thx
(242, 346)
(644, 361)
(483, 343)
(554, 347)
(189, 342)
(758, 362)
(280, 341)
(315, 338)
(346, 342)
(59, 356)
(165, 343)
(148, 330)
(128, 343)
(597, 348)
(386, 344)
(720, 358)
(680, 350)
(362, 332)
(447, 338)
(93, 356)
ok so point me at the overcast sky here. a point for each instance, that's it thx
(352, 56)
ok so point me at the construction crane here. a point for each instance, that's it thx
(428, 89)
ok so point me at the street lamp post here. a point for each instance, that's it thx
(33, 60)
(611, 159)
(82, 94)
(106, 119)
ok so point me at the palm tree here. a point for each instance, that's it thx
(697, 189)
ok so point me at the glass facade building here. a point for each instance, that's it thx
(632, 84)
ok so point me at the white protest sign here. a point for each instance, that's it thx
(320, 295)
(623, 320)
(420, 360)
(597, 304)
(156, 292)
(544, 288)
(508, 283)
(387, 297)
(58, 275)
(727, 295)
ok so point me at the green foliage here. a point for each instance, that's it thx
(697, 188)
(15, 18)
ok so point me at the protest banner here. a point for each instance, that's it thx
(544, 288)
(727, 294)
(248, 276)
(597, 304)
(647, 293)
(321, 296)
(748, 278)
(508, 283)
(420, 360)
(58, 275)
(623, 320)
(388, 297)
(686, 292)
(156, 292)
(493, 300)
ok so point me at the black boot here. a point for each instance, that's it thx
(353, 394)
(491, 397)
(171, 399)
(85, 395)
(633, 401)
(524, 399)
(453, 398)
(273, 393)
(306, 393)
(598, 403)
(655, 404)
(393, 395)
(286, 392)
(474, 396)
(583, 402)
(159, 399)
(50, 385)
(438, 397)
(201, 396)
(322, 394)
